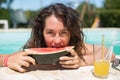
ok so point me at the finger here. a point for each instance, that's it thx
(71, 66)
(64, 58)
(29, 60)
(70, 62)
(30, 51)
(25, 64)
(67, 62)
(73, 53)
(25, 53)
(75, 63)
(19, 68)
(68, 58)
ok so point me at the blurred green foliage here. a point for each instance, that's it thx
(4, 14)
(109, 18)
(112, 4)
(30, 16)
(87, 14)
(110, 14)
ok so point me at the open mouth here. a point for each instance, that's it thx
(58, 46)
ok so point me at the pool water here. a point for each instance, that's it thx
(12, 41)
(94, 36)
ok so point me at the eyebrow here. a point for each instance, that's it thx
(60, 30)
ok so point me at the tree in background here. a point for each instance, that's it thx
(14, 16)
(110, 13)
(112, 4)
(2, 1)
(7, 2)
(87, 13)
(5, 12)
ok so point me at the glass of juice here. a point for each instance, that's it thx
(101, 68)
(102, 60)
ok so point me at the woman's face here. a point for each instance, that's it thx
(55, 34)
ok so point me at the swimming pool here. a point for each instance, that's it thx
(12, 40)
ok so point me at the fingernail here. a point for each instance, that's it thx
(60, 58)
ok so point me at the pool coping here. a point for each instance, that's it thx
(103, 29)
(29, 29)
(16, 30)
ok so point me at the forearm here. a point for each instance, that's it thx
(88, 60)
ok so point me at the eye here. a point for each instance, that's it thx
(51, 33)
(64, 33)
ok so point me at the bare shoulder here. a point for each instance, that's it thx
(98, 49)
(89, 48)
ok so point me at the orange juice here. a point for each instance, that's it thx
(101, 68)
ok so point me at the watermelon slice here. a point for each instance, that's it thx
(47, 55)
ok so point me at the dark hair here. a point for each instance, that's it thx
(71, 21)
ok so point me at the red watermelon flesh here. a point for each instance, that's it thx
(46, 50)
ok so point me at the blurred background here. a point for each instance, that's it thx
(93, 13)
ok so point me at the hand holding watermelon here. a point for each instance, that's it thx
(72, 61)
(19, 60)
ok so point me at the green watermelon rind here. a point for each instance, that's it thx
(49, 58)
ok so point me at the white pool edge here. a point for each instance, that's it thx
(84, 29)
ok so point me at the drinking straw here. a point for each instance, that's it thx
(103, 46)
(109, 54)
(110, 51)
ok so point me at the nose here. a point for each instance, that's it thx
(57, 41)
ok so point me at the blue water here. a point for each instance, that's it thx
(94, 36)
(13, 41)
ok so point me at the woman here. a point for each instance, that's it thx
(55, 26)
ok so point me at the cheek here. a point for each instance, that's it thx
(48, 40)
(66, 41)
